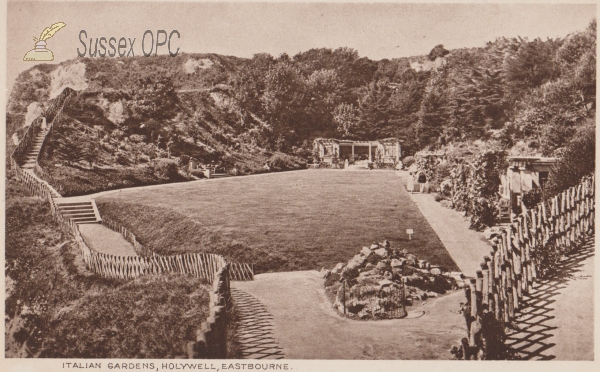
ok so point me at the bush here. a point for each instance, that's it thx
(283, 162)
(184, 161)
(166, 169)
(440, 173)
(437, 197)
(532, 198)
(197, 173)
(579, 160)
(408, 161)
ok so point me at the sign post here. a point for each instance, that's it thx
(409, 232)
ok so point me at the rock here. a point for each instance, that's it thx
(413, 279)
(381, 265)
(374, 246)
(405, 252)
(58, 165)
(385, 244)
(397, 270)
(324, 273)
(424, 271)
(411, 261)
(382, 252)
(369, 266)
(431, 294)
(366, 251)
(388, 275)
(396, 263)
(356, 262)
(435, 271)
(384, 283)
(337, 268)
(422, 264)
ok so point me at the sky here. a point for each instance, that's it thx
(376, 30)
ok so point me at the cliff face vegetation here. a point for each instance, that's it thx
(530, 96)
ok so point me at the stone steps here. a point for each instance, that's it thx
(30, 158)
(84, 211)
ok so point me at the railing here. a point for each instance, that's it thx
(241, 271)
(495, 295)
(237, 271)
(37, 187)
(29, 136)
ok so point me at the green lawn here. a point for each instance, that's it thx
(279, 221)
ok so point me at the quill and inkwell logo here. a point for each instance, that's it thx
(40, 52)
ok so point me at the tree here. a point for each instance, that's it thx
(345, 117)
(530, 66)
(437, 52)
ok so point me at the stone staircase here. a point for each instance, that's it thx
(30, 157)
(78, 211)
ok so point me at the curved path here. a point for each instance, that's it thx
(306, 326)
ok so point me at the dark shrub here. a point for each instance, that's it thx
(579, 159)
(532, 198)
(166, 169)
(283, 162)
(184, 160)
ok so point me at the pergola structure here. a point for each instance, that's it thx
(385, 150)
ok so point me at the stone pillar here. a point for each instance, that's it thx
(370, 152)
(352, 151)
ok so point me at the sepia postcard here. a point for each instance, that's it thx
(299, 185)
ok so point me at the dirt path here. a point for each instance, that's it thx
(557, 320)
(306, 326)
(466, 247)
(104, 240)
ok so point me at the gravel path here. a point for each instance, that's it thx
(104, 240)
(306, 326)
(466, 247)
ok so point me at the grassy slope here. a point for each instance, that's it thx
(52, 303)
(288, 221)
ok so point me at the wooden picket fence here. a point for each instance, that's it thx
(237, 271)
(495, 295)
(241, 271)
(36, 186)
